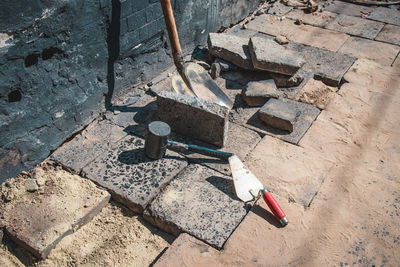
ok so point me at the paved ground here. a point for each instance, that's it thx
(336, 175)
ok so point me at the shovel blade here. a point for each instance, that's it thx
(197, 82)
(245, 182)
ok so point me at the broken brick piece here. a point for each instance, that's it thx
(279, 114)
(257, 93)
(194, 117)
(267, 55)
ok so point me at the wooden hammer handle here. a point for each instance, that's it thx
(172, 32)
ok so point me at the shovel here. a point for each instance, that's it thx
(248, 187)
(192, 79)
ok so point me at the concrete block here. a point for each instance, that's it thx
(63, 203)
(257, 93)
(318, 19)
(200, 202)
(387, 15)
(377, 51)
(97, 138)
(349, 9)
(194, 117)
(356, 26)
(230, 48)
(132, 178)
(279, 114)
(389, 34)
(248, 117)
(270, 56)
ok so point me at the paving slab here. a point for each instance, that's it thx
(267, 55)
(279, 9)
(194, 117)
(316, 93)
(318, 19)
(289, 171)
(396, 63)
(382, 53)
(389, 34)
(279, 114)
(356, 26)
(248, 117)
(387, 15)
(135, 117)
(63, 203)
(349, 9)
(240, 142)
(230, 48)
(97, 138)
(257, 93)
(131, 177)
(200, 202)
(305, 34)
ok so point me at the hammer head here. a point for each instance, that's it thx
(156, 141)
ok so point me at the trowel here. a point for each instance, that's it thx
(191, 79)
(248, 188)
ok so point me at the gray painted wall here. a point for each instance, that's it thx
(62, 60)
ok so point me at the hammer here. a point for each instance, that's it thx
(157, 142)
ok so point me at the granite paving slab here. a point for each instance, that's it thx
(349, 9)
(97, 138)
(356, 26)
(279, 114)
(279, 9)
(60, 205)
(389, 34)
(257, 93)
(319, 19)
(248, 117)
(131, 177)
(387, 15)
(382, 53)
(200, 202)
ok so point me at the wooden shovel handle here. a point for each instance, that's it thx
(172, 32)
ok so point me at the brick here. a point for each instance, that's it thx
(248, 117)
(356, 26)
(63, 203)
(389, 34)
(270, 56)
(387, 15)
(279, 9)
(349, 9)
(292, 171)
(362, 48)
(279, 114)
(316, 93)
(257, 93)
(304, 34)
(230, 48)
(132, 178)
(194, 117)
(88, 145)
(319, 19)
(200, 202)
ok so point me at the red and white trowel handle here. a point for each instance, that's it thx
(274, 207)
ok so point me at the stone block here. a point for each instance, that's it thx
(270, 56)
(356, 26)
(97, 138)
(279, 9)
(230, 48)
(316, 93)
(279, 114)
(194, 117)
(318, 19)
(362, 48)
(389, 34)
(291, 171)
(304, 34)
(248, 117)
(257, 93)
(39, 220)
(387, 15)
(131, 177)
(200, 202)
(349, 9)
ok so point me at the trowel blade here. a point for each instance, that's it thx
(245, 182)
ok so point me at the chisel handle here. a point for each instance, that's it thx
(274, 207)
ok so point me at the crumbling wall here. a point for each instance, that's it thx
(61, 61)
